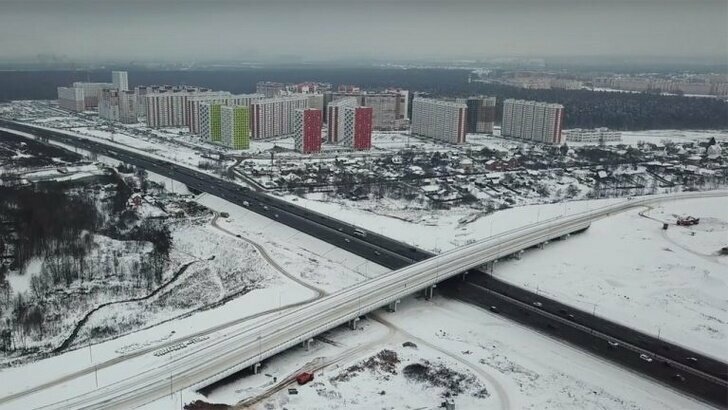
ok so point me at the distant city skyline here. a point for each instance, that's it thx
(320, 30)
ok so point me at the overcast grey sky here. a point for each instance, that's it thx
(323, 29)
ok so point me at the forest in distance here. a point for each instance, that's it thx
(583, 108)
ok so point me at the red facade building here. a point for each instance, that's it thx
(307, 123)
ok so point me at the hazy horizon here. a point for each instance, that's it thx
(317, 30)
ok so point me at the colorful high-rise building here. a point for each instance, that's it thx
(357, 129)
(439, 119)
(215, 122)
(235, 126)
(273, 117)
(307, 126)
(533, 121)
(194, 119)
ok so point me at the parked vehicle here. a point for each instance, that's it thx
(304, 378)
(687, 221)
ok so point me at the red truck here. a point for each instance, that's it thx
(304, 378)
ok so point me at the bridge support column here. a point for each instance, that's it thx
(430, 292)
(464, 275)
(353, 322)
(256, 368)
(307, 344)
(567, 236)
(393, 306)
(521, 252)
(542, 244)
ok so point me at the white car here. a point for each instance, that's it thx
(646, 358)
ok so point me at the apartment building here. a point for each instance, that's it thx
(307, 130)
(480, 115)
(194, 119)
(273, 117)
(118, 105)
(235, 126)
(533, 121)
(439, 119)
(168, 107)
(596, 135)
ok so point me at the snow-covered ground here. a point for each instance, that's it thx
(494, 363)
(311, 260)
(678, 136)
(671, 284)
(440, 230)
(311, 267)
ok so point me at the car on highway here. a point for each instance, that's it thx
(692, 359)
(246, 203)
(646, 358)
(537, 304)
(613, 344)
(678, 377)
(266, 207)
(276, 216)
(494, 309)
(347, 240)
(360, 233)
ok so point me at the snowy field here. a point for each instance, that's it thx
(440, 230)
(308, 259)
(453, 350)
(678, 136)
(671, 284)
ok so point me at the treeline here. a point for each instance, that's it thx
(620, 111)
(48, 223)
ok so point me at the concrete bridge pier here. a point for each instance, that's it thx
(307, 344)
(521, 252)
(393, 306)
(256, 368)
(567, 236)
(353, 322)
(430, 292)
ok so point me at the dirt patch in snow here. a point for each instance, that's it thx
(384, 362)
(453, 382)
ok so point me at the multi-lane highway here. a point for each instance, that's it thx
(215, 361)
(395, 254)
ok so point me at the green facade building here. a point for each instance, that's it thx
(235, 126)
